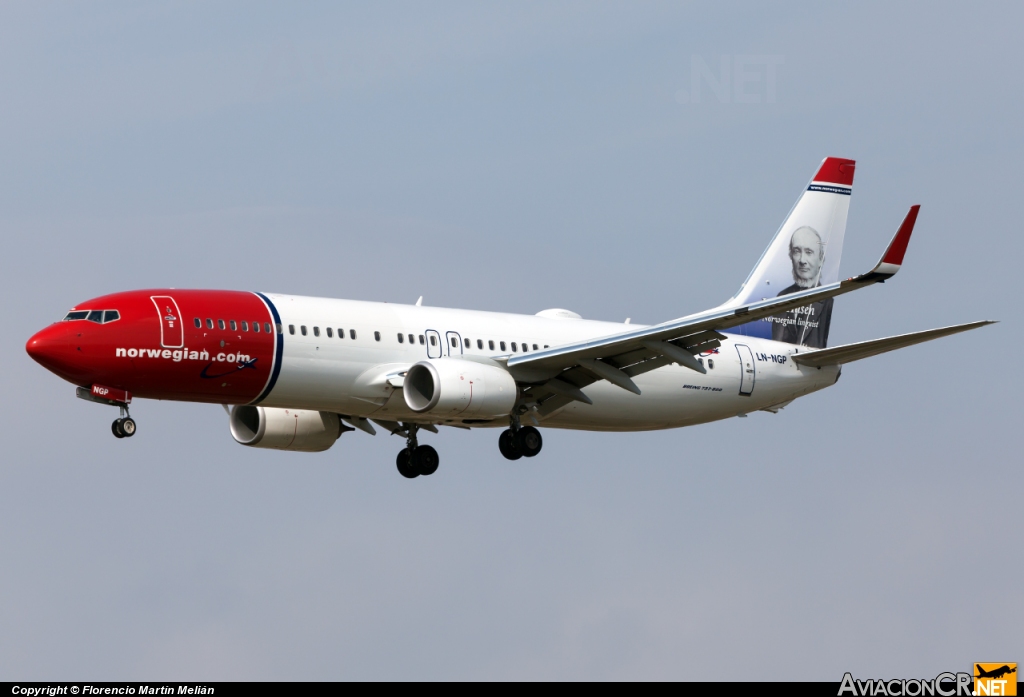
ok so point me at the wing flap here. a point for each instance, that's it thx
(848, 353)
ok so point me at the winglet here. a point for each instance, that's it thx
(892, 260)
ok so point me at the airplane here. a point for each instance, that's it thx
(295, 373)
(995, 673)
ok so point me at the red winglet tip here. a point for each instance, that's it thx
(836, 170)
(898, 246)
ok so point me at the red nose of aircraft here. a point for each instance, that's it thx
(50, 348)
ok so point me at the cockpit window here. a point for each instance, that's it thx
(97, 316)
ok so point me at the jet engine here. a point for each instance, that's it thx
(455, 387)
(285, 429)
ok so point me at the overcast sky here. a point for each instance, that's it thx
(515, 157)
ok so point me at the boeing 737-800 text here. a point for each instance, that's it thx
(297, 372)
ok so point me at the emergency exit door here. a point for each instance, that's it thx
(747, 369)
(454, 343)
(435, 349)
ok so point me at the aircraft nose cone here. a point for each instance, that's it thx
(49, 347)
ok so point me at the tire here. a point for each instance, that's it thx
(426, 460)
(528, 441)
(507, 446)
(115, 428)
(404, 463)
(128, 427)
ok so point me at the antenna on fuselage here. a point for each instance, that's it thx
(419, 303)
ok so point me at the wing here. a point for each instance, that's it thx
(865, 349)
(554, 377)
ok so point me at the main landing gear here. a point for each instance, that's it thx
(415, 459)
(123, 427)
(519, 441)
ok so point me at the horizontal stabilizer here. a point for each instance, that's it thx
(848, 353)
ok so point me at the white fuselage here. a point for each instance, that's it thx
(359, 377)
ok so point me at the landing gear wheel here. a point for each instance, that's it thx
(528, 441)
(405, 466)
(507, 445)
(128, 426)
(116, 429)
(426, 460)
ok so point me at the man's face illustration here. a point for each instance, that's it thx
(806, 254)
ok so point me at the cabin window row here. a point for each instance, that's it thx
(414, 339)
(329, 331)
(234, 326)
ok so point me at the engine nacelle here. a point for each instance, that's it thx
(285, 429)
(455, 387)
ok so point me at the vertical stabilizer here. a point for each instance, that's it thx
(803, 254)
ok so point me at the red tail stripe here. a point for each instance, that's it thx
(836, 170)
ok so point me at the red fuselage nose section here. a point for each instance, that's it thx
(51, 349)
(202, 346)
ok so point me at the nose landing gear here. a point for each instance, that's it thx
(123, 427)
(415, 459)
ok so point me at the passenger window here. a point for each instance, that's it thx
(78, 314)
(490, 344)
(412, 339)
(401, 338)
(546, 346)
(376, 336)
(316, 331)
(302, 328)
(330, 333)
(291, 329)
(502, 345)
(234, 327)
(711, 363)
(256, 327)
(480, 344)
(433, 340)
(513, 347)
(421, 340)
(468, 343)
(209, 323)
(455, 342)
(535, 347)
(266, 328)
(245, 326)
(352, 334)
(341, 333)
(220, 324)
(199, 323)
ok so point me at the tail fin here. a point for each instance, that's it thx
(803, 254)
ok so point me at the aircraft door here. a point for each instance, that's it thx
(747, 369)
(172, 333)
(434, 347)
(454, 344)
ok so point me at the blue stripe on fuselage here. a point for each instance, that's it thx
(278, 355)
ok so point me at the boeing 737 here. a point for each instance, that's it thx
(295, 373)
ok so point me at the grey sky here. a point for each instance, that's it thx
(514, 157)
